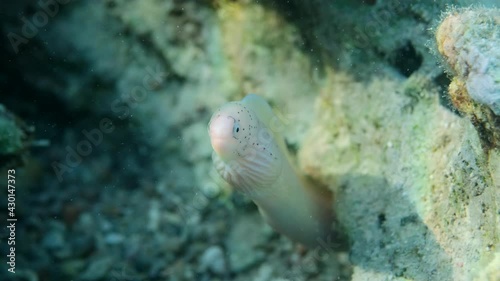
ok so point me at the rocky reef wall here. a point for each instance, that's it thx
(362, 91)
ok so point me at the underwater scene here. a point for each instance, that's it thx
(250, 140)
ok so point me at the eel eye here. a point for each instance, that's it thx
(236, 128)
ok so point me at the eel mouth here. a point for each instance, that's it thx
(220, 130)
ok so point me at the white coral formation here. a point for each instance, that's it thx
(470, 40)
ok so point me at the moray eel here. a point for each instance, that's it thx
(250, 154)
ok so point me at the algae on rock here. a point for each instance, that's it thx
(14, 138)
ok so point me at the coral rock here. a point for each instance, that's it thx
(469, 40)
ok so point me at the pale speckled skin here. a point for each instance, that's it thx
(252, 159)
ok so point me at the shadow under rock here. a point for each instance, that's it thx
(385, 231)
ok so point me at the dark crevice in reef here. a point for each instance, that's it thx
(41, 108)
(345, 33)
(443, 81)
(146, 42)
(49, 114)
(326, 26)
(305, 17)
(406, 59)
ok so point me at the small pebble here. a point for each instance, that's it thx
(114, 238)
(97, 269)
(245, 241)
(264, 274)
(213, 259)
(53, 240)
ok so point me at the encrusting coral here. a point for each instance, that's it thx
(468, 39)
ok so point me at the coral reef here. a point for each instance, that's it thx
(365, 108)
